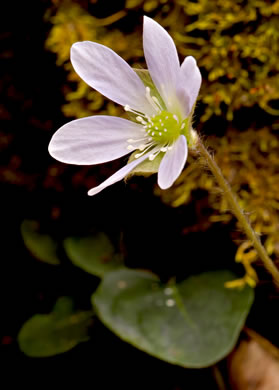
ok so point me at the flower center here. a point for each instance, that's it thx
(164, 127)
(161, 130)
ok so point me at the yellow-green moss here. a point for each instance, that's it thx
(236, 44)
(250, 162)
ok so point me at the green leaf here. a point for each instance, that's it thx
(42, 246)
(193, 324)
(94, 254)
(46, 335)
(63, 307)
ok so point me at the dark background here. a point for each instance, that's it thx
(152, 233)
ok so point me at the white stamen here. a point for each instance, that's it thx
(157, 102)
(147, 147)
(130, 147)
(170, 302)
(165, 130)
(183, 125)
(156, 128)
(151, 100)
(141, 120)
(153, 133)
(175, 117)
(128, 108)
(160, 133)
(154, 155)
(164, 149)
(168, 291)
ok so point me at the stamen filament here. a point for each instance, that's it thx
(145, 150)
(151, 100)
(157, 102)
(141, 120)
(154, 155)
(128, 108)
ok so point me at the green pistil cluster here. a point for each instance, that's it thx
(165, 127)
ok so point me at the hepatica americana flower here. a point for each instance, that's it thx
(160, 102)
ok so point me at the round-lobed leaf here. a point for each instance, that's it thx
(42, 246)
(192, 324)
(94, 254)
(46, 335)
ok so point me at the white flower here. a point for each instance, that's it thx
(162, 111)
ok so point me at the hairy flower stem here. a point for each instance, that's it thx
(238, 212)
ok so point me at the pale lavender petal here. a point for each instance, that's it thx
(102, 69)
(93, 140)
(162, 60)
(119, 175)
(189, 83)
(172, 163)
